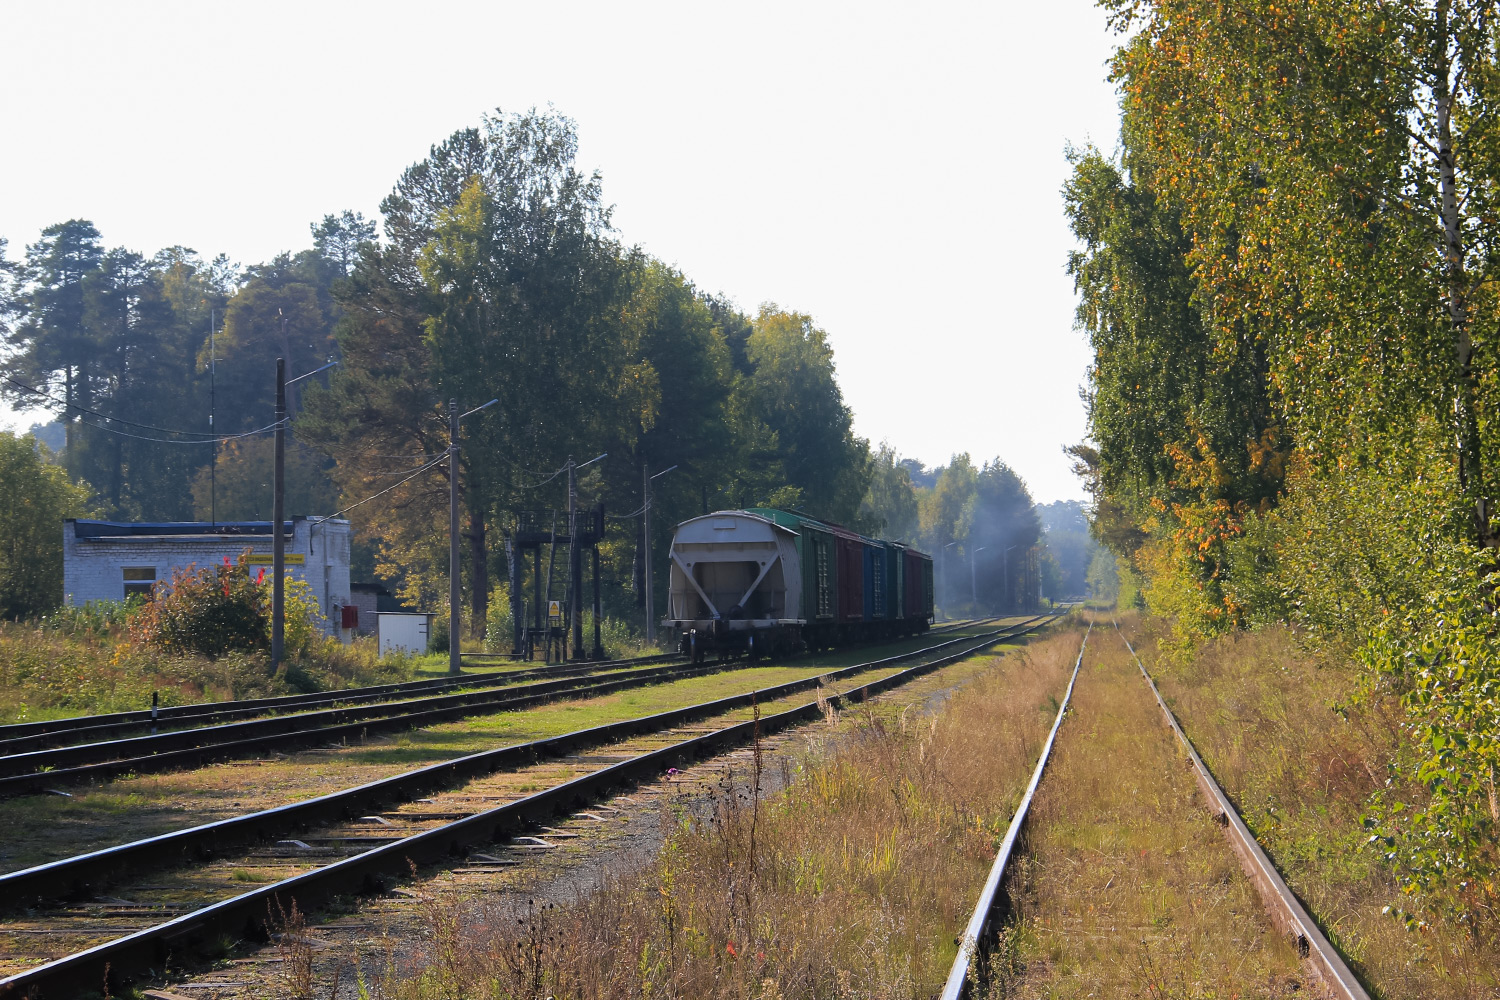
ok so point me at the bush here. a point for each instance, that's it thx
(208, 611)
(1443, 657)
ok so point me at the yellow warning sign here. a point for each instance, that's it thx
(264, 559)
(554, 614)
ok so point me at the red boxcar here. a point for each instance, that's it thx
(915, 604)
(851, 550)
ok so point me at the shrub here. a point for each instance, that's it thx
(209, 611)
(1443, 657)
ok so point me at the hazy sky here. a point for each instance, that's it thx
(893, 170)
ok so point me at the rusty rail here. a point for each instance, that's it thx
(971, 942)
(1286, 910)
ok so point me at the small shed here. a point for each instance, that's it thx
(404, 632)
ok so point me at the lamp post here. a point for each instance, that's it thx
(575, 556)
(943, 570)
(1005, 577)
(973, 586)
(454, 643)
(646, 532)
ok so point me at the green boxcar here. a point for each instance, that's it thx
(819, 566)
(895, 587)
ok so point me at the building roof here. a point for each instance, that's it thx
(137, 529)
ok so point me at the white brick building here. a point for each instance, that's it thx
(106, 561)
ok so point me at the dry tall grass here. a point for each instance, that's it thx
(49, 671)
(1300, 756)
(852, 882)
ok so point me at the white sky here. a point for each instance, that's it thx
(893, 170)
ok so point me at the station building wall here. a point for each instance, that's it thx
(106, 561)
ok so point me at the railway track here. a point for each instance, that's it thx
(364, 838)
(25, 736)
(33, 762)
(1285, 910)
(48, 769)
(979, 923)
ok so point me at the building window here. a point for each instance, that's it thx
(139, 580)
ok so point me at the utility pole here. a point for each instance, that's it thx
(278, 510)
(575, 563)
(646, 516)
(213, 464)
(1005, 579)
(454, 641)
(943, 575)
(278, 515)
(646, 536)
(973, 586)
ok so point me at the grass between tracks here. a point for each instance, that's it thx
(36, 829)
(1124, 885)
(1300, 756)
(853, 882)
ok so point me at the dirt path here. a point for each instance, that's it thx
(1125, 887)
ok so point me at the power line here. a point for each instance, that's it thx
(383, 492)
(141, 437)
(544, 482)
(106, 416)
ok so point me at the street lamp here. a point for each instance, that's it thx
(575, 556)
(973, 587)
(646, 532)
(943, 570)
(1005, 577)
(454, 652)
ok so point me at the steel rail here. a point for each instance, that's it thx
(89, 872)
(45, 767)
(1286, 910)
(328, 699)
(194, 747)
(244, 915)
(974, 932)
(228, 709)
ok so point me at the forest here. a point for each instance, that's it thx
(1288, 274)
(494, 273)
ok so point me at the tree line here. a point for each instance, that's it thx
(1288, 276)
(497, 275)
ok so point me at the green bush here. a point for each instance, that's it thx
(1442, 655)
(208, 611)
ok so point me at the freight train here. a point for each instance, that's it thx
(763, 582)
